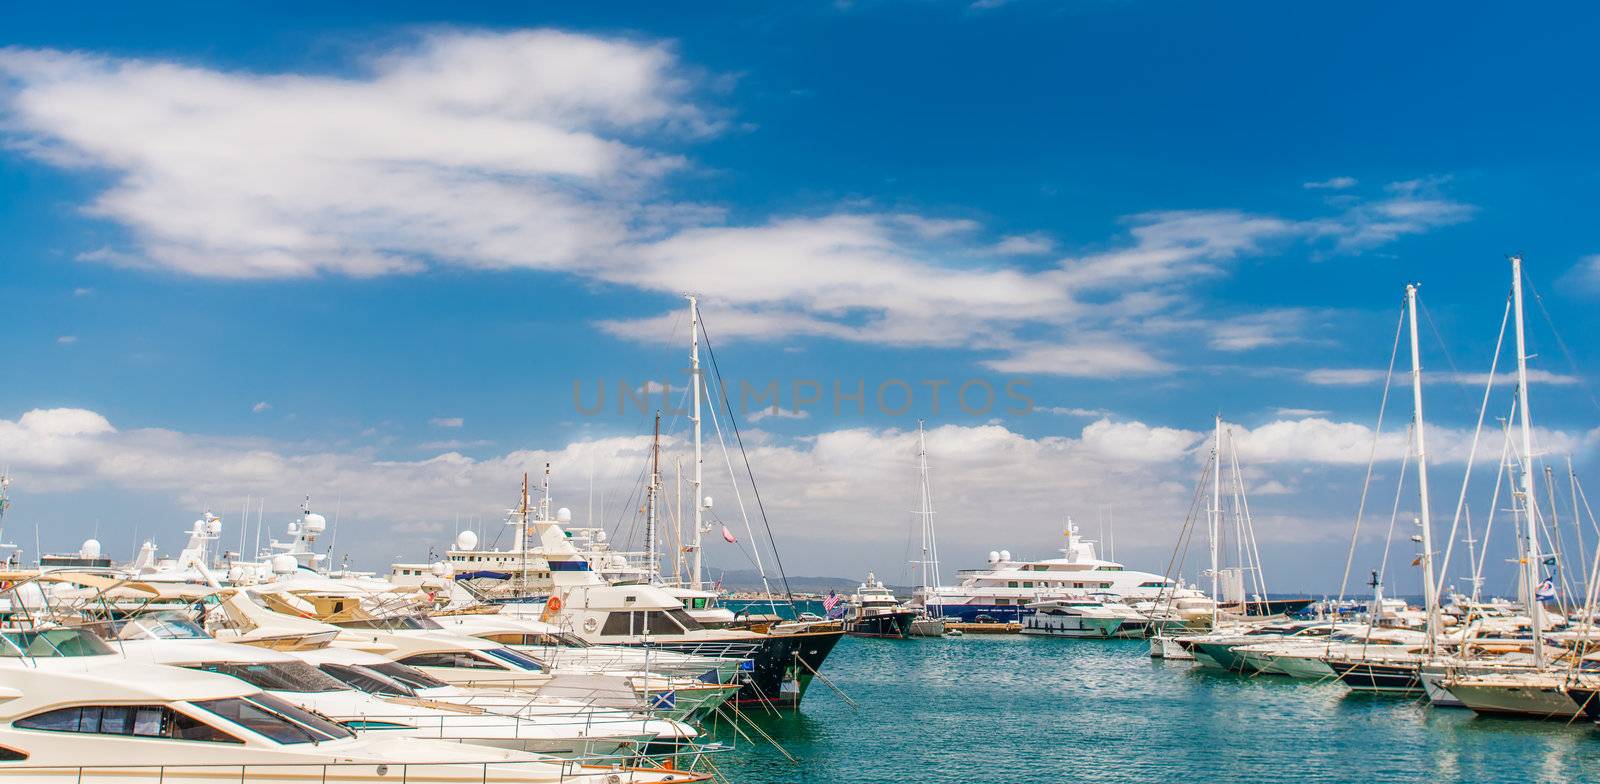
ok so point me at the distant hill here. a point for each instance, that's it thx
(750, 580)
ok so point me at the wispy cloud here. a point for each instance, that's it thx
(1366, 376)
(260, 407)
(447, 421)
(67, 340)
(1333, 184)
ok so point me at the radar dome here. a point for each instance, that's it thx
(283, 563)
(314, 523)
(563, 515)
(90, 549)
(440, 568)
(708, 502)
(466, 540)
(199, 526)
(1005, 555)
(214, 526)
(600, 536)
(618, 562)
(994, 555)
(235, 573)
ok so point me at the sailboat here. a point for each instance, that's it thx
(929, 621)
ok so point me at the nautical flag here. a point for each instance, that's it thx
(1546, 591)
(829, 603)
(727, 536)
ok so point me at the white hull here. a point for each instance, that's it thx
(1168, 648)
(1527, 699)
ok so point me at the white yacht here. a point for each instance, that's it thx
(74, 710)
(1083, 618)
(1003, 590)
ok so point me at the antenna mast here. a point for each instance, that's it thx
(655, 488)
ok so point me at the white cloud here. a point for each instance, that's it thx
(1300, 413)
(1097, 413)
(1585, 274)
(1024, 245)
(447, 421)
(482, 149)
(82, 292)
(1365, 376)
(1335, 184)
(1259, 330)
(780, 413)
(67, 340)
(260, 407)
(548, 150)
(1109, 358)
(817, 489)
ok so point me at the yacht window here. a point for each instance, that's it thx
(408, 676)
(366, 680)
(1027, 584)
(54, 642)
(685, 620)
(1011, 584)
(698, 603)
(457, 660)
(145, 721)
(11, 755)
(277, 676)
(617, 624)
(515, 659)
(277, 719)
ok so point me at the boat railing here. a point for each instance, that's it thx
(499, 772)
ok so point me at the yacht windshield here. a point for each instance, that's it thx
(368, 680)
(52, 643)
(395, 624)
(515, 659)
(274, 718)
(164, 626)
(277, 676)
(410, 676)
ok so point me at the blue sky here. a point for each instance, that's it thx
(279, 253)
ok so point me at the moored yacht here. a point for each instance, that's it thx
(1084, 618)
(875, 612)
(1003, 590)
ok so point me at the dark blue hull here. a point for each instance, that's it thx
(978, 613)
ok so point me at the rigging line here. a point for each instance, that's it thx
(1372, 457)
(1572, 364)
(1494, 499)
(1249, 521)
(1394, 514)
(760, 507)
(1439, 338)
(1472, 454)
(1180, 549)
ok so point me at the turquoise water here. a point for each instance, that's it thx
(1018, 709)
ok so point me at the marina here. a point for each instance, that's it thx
(839, 392)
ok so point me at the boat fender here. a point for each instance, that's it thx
(554, 604)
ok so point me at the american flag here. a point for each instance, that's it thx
(832, 601)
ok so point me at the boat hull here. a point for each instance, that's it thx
(781, 667)
(1401, 679)
(927, 627)
(1218, 655)
(891, 625)
(1529, 701)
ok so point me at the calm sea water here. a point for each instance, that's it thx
(1018, 709)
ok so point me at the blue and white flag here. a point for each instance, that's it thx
(1546, 591)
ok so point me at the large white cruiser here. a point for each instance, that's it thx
(1002, 591)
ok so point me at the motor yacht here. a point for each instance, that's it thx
(875, 612)
(1084, 617)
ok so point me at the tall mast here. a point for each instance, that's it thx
(1530, 566)
(930, 563)
(694, 379)
(1216, 516)
(677, 524)
(655, 487)
(1430, 598)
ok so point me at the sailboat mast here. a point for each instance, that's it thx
(655, 487)
(922, 491)
(1430, 597)
(1530, 566)
(694, 379)
(1216, 516)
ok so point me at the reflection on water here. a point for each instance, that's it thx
(1017, 709)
